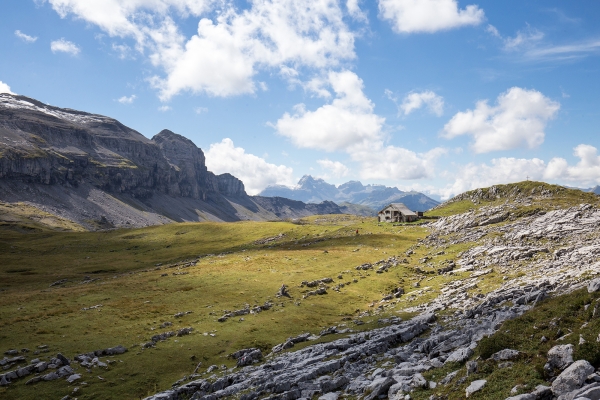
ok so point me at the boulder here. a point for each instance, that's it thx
(63, 359)
(475, 386)
(50, 377)
(503, 355)
(330, 396)
(247, 356)
(594, 285)
(418, 381)
(560, 356)
(460, 355)
(572, 378)
(378, 387)
(73, 378)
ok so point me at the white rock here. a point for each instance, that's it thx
(572, 378)
(73, 378)
(561, 356)
(593, 285)
(475, 386)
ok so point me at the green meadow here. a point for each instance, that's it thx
(142, 278)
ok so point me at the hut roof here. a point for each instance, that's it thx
(399, 207)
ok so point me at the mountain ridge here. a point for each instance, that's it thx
(93, 170)
(310, 190)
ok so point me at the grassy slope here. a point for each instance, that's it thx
(25, 218)
(134, 302)
(554, 318)
(560, 197)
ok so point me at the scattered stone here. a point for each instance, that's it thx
(247, 356)
(317, 282)
(57, 283)
(506, 354)
(593, 286)
(471, 367)
(283, 292)
(181, 314)
(320, 291)
(475, 386)
(73, 378)
(92, 307)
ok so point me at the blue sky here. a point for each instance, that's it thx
(439, 96)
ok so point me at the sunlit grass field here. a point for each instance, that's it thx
(128, 269)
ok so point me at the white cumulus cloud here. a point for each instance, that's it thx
(227, 51)
(414, 101)
(254, 171)
(409, 16)
(24, 37)
(64, 46)
(395, 163)
(518, 120)
(4, 88)
(270, 34)
(349, 124)
(348, 120)
(335, 168)
(127, 100)
(585, 173)
(121, 17)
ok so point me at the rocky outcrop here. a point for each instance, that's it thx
(88, 167)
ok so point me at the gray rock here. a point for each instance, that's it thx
(419, 381)
(572, 378)
(524, 396)
(63, 359)
(3, 380)
(449, 377)
(460, 355)
(506, 354)
(475, 386)
(330, 396)
(560, 356)
(51, 376)
(594, 285)
(378, 387)
(591, 391)
(73, 378)
(471, 367)
(247, 356)
(65, 371)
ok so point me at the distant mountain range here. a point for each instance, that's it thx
(316, 190)
(595, 189)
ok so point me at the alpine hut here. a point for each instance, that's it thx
(396, 212)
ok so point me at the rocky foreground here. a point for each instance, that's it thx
(542, 254)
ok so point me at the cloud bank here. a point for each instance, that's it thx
(518, 120)
(415, 16)
(254, 171)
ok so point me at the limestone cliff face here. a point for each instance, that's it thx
(49, 145)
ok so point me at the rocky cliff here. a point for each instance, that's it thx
(91, 168)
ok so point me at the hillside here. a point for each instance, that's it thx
(375, 197)
(259, 309)
(98, 173)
